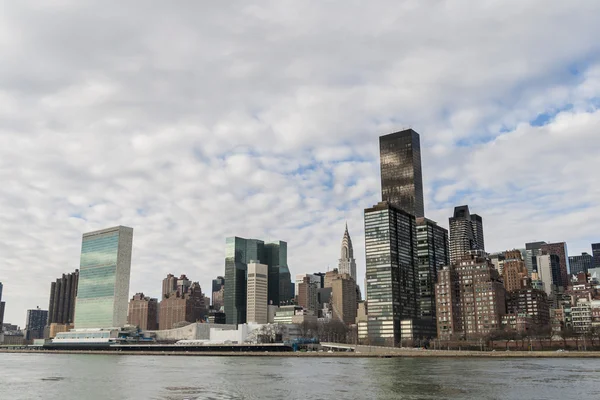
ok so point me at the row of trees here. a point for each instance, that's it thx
(542, 337)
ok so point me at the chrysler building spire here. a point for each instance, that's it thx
(347, 263)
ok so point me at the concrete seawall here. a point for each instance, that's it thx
(377, 354)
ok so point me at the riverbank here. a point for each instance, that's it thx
(377, 354)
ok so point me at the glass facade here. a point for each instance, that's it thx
(466, 233)
(581, 263)
(391, 277)
(596, 254)
(401, 176)
(238, 254)
(434, 253)
(103, 286)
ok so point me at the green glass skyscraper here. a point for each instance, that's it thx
(103, 287)
(238, 254)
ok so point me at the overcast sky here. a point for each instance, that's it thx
(191, 121)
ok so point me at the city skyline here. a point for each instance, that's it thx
(215, 137)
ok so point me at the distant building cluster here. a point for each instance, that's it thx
(422, 283)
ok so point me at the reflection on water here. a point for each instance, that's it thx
(29, 376)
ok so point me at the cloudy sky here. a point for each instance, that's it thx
(192, 121)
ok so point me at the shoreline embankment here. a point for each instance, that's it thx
(377, 354)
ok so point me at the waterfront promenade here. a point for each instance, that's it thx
(364, 353)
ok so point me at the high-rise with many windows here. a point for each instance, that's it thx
(596, 254)
(434, 253)
(238, 253)
(533, 250)
(391, 258)
(103, 287)
(470, 297)
(560, 250)
(2, 306)
(401, 176)
(581, 263)
(36, 321)
(63, 292)
(218, 288)
(143, 312)
(257, 293)
(466, 233)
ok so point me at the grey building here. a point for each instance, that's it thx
(401, 175)
(238, 254)
(596, 254)
(63, 292)
(103, 286)
(533, 250)
(434, 252)
(347, 263)
(581, 263)
(391, 261)
(36, 322)
(466, 233)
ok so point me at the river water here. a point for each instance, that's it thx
(90, 377)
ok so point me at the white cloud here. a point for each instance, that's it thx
(200, 121)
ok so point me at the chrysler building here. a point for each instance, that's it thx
(347, 264)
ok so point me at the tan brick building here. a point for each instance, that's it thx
(143, 312)
(343, 299)
(470, 298)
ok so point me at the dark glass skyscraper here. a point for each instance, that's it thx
(2, 305)
(580, 263)
(391, 258)
(466, 233)
(401, 176)
(596, 254)
(238, 254)
(434, 253)
(36, 321)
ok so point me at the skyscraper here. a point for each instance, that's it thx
(143, 312)
(347, 263)
(596, 254)
(391, 260)
(184, 304)
(238, 253)
(169, 285)
(280, 279)
(514, 270)
(343, 299)
(218, 288)
(434, 253)
(466, 233)
(103, 287)
(549, 272)
(2, 306)
(462, 310)
(308, 294)
(581, 263)
(533, 250)
(257, 293)
(63, 292)
(560, 250)
(401, 176)
(36, 321)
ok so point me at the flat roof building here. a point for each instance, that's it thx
(103, 286)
